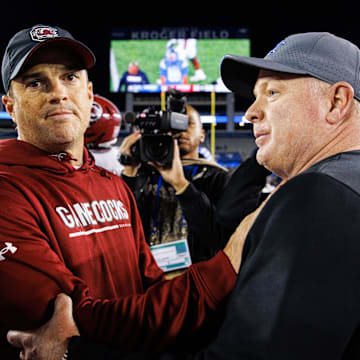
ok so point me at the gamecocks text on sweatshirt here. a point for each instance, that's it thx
(96, 212)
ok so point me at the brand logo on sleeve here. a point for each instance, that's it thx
(9, 247)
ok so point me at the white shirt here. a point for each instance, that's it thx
(108, 159)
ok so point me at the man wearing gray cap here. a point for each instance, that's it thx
(297, 293)
(69, 226)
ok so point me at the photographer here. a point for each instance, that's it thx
(178, 201)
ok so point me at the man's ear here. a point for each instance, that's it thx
(341, 98)
(90, 91)
(202, 135)
(8, 102)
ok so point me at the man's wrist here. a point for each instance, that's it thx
(130, 171)
(179, 189)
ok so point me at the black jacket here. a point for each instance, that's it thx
(197, 204)
(297, 295)
(243, 193)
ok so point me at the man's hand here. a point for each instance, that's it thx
(174, 175)
(50, 341)
(235, 245)
(125, 147)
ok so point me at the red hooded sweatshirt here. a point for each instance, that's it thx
(78, 231)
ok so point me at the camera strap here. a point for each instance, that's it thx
(175, 254)
(157, 202)
(156, 210)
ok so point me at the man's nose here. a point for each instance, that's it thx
(58, 91)
(254, 113)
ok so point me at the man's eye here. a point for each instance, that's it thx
(71, 76)
(34, 84)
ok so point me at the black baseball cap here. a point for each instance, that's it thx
(26, 42)
(318, 54)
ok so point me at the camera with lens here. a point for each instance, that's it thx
(157, 131)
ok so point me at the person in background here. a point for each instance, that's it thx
(171, 199)
(133, 76)
(173, 69)
(187, 49)
(102, 134)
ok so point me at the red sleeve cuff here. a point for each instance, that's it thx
(217, 276)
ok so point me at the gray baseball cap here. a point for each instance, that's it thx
(26, 42)
(318, 54)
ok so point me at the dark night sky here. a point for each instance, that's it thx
(269, 22)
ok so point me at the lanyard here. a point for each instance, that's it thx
(157, 199)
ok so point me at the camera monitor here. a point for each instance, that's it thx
(187, 59)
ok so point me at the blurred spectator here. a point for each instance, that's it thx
(173, 69)
(102, 134)
(187, 49)
(133, 76)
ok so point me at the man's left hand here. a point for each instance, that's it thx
(50, 341)
(174, 175)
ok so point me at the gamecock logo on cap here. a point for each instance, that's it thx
(43, 33)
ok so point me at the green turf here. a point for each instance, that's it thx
(149, 54)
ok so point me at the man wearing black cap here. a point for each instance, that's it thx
(26, 72)
(70, 226)
(297, 293)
